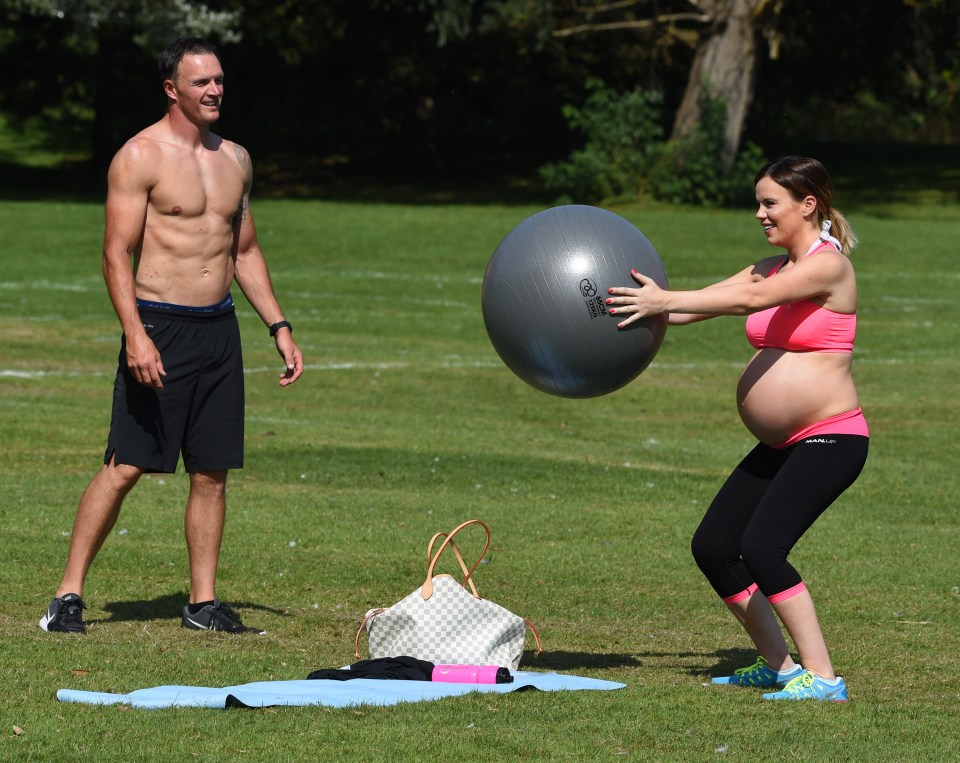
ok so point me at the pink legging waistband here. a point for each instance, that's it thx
(851, 422)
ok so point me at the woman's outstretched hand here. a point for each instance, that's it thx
(634, 304)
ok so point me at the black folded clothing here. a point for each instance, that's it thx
(388, 668)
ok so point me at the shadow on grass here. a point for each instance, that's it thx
(866, 175)
(722, 662)
(82, 182)
(70, 181)
(870, 174)
(168, 606)
(571, 660)
(726, 661)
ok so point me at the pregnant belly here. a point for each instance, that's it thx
(782, 392)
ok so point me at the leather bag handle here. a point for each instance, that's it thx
(426, 590)
(467, 580)
(370, 615)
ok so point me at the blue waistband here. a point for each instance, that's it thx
(221, 307)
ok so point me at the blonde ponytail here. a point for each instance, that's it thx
(842, 230)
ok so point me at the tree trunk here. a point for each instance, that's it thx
(724, 66)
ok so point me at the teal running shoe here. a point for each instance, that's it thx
(810, 686)
(759, 674)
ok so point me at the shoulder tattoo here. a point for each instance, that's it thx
(242, 212)
(243, 159)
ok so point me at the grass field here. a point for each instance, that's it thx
(406, 423)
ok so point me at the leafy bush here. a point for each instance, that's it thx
(625, 155)
(622, 132)
(691, 169)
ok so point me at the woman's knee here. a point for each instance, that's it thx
(767, 563)
(758, 552)
(707, 552)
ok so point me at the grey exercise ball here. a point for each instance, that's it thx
(544, 301)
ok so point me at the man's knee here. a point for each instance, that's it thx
(208, 483)
(120, 477)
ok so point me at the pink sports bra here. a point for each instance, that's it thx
(802, 326)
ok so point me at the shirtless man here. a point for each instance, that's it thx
(178, 205)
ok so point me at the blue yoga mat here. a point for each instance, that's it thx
(358, 691)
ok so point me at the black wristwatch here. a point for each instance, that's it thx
(280, 325)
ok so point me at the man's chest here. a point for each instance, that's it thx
(189, 187)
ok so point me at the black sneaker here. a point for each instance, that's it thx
(65, 614)
(216, 617)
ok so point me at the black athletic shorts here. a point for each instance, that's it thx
(199, 411)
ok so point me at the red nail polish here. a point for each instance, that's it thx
(609, 301)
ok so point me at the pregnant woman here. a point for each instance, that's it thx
(798, 398)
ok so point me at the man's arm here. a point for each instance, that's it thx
(253, 277)
(128, 188)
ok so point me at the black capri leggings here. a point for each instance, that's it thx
(769, 501)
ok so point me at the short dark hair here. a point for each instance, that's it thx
(169, 60)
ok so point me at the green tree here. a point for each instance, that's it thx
(858, 69)
(622, 135)
(880, 71)
(723, 33)
(459, 86)
(92, 57)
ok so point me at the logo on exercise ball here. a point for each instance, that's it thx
(594, 301)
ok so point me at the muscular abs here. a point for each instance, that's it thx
(194, 209)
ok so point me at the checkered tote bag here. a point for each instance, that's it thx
(444, 623)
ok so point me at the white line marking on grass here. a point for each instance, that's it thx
(52, 285)
(16, 373)
(402, 299)
(380, 275)
(395, 366)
